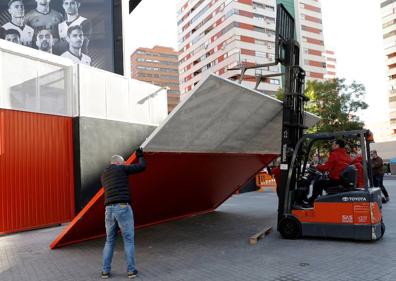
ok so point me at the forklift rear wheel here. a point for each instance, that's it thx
(290, 228)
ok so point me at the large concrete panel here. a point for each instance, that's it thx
(96, 140)
(222, 116)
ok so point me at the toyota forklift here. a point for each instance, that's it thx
(345, 212)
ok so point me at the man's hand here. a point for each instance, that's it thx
(139, 152)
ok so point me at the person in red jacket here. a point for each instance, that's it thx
(338, 160)
(357, 161)
(276, 174)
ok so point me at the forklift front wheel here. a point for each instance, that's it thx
(290, 228)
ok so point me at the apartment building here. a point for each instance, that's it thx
(309, 30)
(159, 66)
(217, 35)
(331, 65)
(388, 10)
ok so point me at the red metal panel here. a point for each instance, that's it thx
(174, 185)
(36, 170)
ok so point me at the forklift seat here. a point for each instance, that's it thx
(348, 179)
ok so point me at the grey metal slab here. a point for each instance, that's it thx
(222, 116)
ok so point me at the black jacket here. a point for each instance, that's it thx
(115, 181)
(377, 165)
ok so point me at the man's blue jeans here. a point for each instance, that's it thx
(119, 216)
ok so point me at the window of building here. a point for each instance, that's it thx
(269, 7)
(270, 56)
(261, 54)
(269, 20)
(389, 34)
(228, 2)
(258, 5)
(270, 32)
(259, 29)
(386, 3)
(275, 81)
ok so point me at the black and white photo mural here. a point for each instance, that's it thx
(81, 30)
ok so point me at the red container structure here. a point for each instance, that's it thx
(36, 170)
(174, 186)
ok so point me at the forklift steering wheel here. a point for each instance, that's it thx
(311, 170)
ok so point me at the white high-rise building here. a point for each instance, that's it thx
(216, 35)
(309, 29)
(388, 9)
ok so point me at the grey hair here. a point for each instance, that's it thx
(117, 159)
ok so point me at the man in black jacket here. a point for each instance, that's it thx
(119, 213)
(377, 166)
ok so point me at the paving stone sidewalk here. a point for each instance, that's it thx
(209, 247)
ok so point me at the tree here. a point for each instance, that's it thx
(336, 103)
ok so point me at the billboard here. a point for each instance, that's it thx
(81, 30)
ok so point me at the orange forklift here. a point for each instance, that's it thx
(345, 211)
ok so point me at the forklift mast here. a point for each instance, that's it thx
(288, 51)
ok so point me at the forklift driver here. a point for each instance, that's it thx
(338, 160)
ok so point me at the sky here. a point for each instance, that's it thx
(352, 29)
(153, 22)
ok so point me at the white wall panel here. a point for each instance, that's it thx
(117, 98)
(34, 81)
(92, 92)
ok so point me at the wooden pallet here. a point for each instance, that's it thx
(253, 239)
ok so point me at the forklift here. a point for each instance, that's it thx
(346, 211)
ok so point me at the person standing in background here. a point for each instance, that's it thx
(377, 166)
